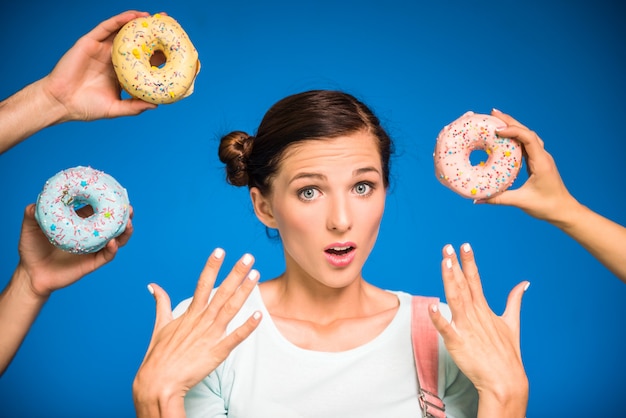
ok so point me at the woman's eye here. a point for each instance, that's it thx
(308, 194)
(362, 188)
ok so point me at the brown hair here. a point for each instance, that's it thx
(315, 114)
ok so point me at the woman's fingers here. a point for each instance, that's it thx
(232, 292)
(185, 350)
(513, 308)
(448, 333)
(483, 345)
(163, 312)
(233, 304)
(472, 277)
(163, 306)
(206, 281)
(230, 284)
(456, 285)
(233, 339)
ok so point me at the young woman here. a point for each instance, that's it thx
(329, 343)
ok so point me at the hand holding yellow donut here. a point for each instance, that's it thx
(135, 53)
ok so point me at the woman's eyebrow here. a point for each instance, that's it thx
(365, 170)
(322, 177)
(305, 175)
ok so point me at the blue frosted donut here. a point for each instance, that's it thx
(76, 187)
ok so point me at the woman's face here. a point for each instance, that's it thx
(327, 202)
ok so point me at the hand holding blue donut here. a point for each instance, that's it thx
(48, 268)
(76, 187)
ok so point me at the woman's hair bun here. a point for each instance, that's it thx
(233, 152)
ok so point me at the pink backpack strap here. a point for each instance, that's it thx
(426, 351)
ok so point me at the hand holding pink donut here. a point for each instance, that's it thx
(545, 196)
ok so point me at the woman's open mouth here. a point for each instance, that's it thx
(340, 255)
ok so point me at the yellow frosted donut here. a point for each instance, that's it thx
(144, 39)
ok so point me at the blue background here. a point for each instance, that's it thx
(556, 66)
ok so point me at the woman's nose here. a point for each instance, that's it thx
(339, 218)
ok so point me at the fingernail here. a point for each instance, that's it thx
(448, 263)
(499, 128)
(218, 253)
(496, 110)
(466, 248)
(434, 308)
(527, 286)
(449, 249)
(253, 275)
(247, 259)
(151, 289)
(256, 315)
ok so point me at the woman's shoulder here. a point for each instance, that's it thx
(407, 299)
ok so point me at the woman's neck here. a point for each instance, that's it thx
(298, 298)
(324, 319)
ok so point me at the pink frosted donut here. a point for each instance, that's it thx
(76, 187)
(459, 139)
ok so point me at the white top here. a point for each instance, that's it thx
(268, 376)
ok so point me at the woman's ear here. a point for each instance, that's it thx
(262, 208)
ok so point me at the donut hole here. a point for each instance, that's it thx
(158, 59)
(84, 210)
(478, 157)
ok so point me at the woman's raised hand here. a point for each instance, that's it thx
(184, 350)
(486, 347)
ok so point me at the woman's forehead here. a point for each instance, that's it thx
(355, 146)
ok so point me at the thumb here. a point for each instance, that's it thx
(506, 198)
(511, 313)
(163, 308)
(29, 216)
(447, 331)
(130, 107)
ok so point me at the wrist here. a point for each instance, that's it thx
(507, 401)
(21, 286)
(154, 401)
(55, 111)
(569, 214)
(558, 210)
(27, 112)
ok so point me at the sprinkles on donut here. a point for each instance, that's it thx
(459, 139)
(74, 188)
(135, 56)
